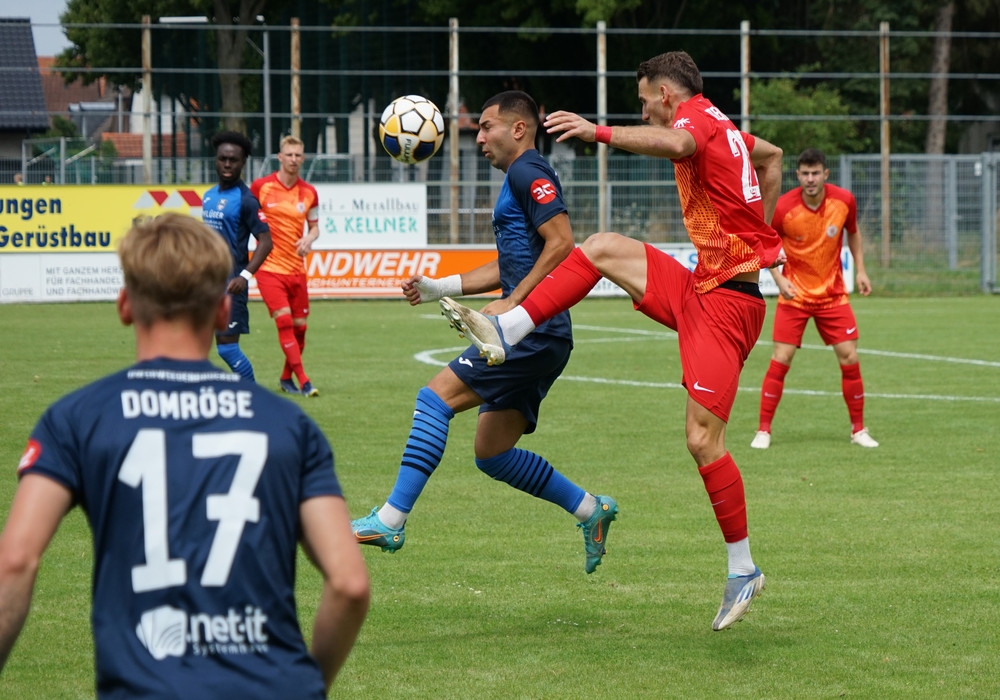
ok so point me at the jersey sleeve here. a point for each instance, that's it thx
(851, 222)
(318, 477)
(312, 208)
(253, 216)
(48, 454)
(537, 191)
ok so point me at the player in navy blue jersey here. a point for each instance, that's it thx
(197, 485)
(232, 210)
(533, 235)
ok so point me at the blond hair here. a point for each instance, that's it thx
(291, 140)
(174, 266)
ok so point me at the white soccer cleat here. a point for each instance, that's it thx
(761, 441)
(479, 328)
(863, 438)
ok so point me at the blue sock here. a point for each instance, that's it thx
(532, 474)
(424, 447)
(237, 361)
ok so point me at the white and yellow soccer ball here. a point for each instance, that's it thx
(411, 129)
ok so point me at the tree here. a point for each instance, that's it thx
(115, 48)
(784, 96)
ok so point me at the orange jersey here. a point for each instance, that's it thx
(813, 241)
(721, 198)
(288, 209)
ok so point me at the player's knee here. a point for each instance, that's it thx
(601, 246)
(284, 322)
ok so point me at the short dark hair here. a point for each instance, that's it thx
(675, 66)
(235, 138)
(811, 156)
(517, 102)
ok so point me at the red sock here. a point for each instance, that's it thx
(854, 394)
(290, 346)
(770, 393)
(725, 490)
(562, 288)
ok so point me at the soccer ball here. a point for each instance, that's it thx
(411, 129)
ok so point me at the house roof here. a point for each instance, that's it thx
(59, 94)
(23, 106)
(130, 145)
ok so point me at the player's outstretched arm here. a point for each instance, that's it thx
(659, 141)
(39, 505)
(329, 542)
(766, 158)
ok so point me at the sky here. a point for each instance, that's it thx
(49, 40)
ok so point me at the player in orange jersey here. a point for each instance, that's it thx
(290, 203)
(728, 183)
(811, 220)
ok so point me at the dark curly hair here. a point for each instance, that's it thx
(235, 138)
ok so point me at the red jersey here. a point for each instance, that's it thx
(720, 197)
(813, 240)
(288, 209)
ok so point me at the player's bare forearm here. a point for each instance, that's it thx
(558, 235)
(766, 158)
(304, 244)
(329, 542)
(38, 507)
(857, 248)
(338, 623)
(484, 278)
(260, 253)
(658, 141)
(15, 600)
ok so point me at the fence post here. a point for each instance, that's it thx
(147, 102)
(296, 79)
(452, 108)
(603, 217)
(883, 31)
(989, 223)
(745, 75)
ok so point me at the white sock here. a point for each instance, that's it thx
(391, 517)
(586, 508)
(740, 562)
(515, 325)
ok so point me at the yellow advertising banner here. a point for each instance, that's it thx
(83, 219)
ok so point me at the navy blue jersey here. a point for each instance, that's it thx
(191, 480)
(530, 196)
(234, 213)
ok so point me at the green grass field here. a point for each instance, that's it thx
(882, 564)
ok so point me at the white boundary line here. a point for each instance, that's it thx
(428, 357)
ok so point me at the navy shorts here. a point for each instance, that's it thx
(239, 316)
(522, 381)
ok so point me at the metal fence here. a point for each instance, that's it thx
(941, 222)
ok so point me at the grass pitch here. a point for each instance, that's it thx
(881, 564)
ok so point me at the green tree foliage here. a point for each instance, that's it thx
(784, 96)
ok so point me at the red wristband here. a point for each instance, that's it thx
(603, 134)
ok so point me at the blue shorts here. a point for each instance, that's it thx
(239, 316)
(522, 381)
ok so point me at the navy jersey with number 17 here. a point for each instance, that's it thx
(191, 480)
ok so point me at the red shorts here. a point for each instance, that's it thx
(281, 291)
(835, 324)
(715, 331)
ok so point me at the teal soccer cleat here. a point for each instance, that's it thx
(595, 531)
(371, 530)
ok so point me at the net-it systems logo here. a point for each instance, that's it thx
(168, 631)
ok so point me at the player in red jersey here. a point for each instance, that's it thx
(728, 183)
(811, 220)
(290, 203)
